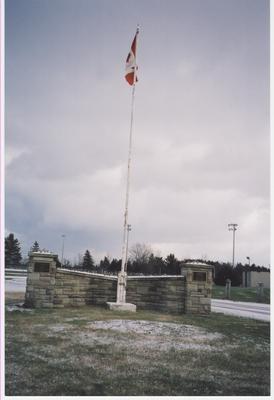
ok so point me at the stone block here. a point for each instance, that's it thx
(44, 275)
(58, 291)
(205, 301)
(57, 301)
(34, 276)
(47, 305)
(41, 285)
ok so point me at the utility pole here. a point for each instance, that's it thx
(233, 228)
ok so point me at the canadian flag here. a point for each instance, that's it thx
(131, 66)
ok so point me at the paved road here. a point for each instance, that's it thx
(15, 284)
(242, 309)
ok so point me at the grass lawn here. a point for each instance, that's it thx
(240, 294)
(91, 351)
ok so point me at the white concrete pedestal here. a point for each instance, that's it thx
(121, 306)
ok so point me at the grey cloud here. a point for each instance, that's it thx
(201, 127)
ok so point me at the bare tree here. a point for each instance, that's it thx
(140, 253)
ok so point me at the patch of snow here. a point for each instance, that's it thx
(132, 277)
(59, 328)
(155, 328)
(86, 273)
(43, 251)
(7, 270)
(196, 263)
(146, 335)
(76, 319)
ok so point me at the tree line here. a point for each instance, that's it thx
(141, 261)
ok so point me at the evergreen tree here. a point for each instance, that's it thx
(88, 262)
(12, 252)
(172, 265)
(58, 264)
(104, 265)
(115, 265)
(35, 247)
(156, 265)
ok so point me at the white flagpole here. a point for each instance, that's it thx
(128, 180)
(121, 295)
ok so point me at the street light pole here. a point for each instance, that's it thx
(248, 258)
(63, 245)
(233, 227)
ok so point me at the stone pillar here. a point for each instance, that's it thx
(198, 287)
(227, 289)
(260, 291)
(40, 279)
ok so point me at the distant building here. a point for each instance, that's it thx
(252, 278)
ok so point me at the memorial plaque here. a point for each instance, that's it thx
(41, 267)
(199, 276)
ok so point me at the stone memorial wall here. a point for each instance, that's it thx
(160, 293)
(51, 287)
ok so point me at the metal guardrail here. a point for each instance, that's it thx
(15, 272)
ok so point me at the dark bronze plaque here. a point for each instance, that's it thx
(41, 267)
(199, 276)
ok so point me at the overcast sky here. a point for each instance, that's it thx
(201, 138)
